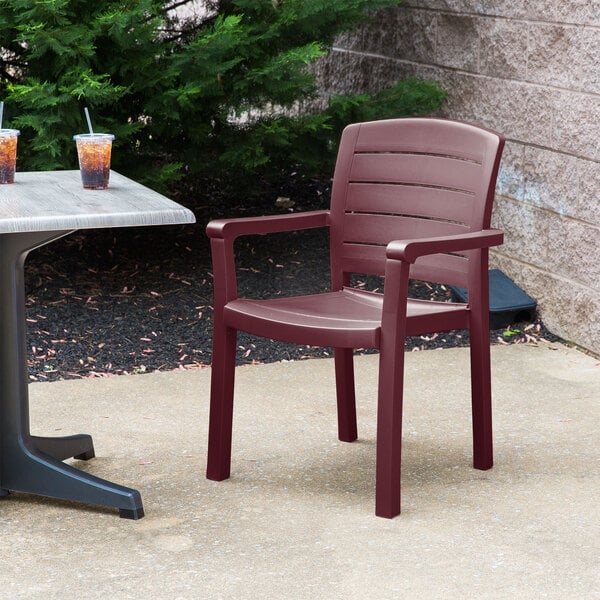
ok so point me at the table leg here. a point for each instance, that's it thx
(32, 464)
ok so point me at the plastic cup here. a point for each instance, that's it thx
(8, 154)
(93, 151)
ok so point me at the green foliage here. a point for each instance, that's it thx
(206, 95)
(510, 332)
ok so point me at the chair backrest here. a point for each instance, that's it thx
(410, 178)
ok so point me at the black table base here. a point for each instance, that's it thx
(28, 463)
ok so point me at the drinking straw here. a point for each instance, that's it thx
(89, 121)
(1, 112)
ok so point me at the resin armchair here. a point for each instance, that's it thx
(411, 199)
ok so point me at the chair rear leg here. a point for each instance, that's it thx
(221, 403)
(346, 399)
(481, 398)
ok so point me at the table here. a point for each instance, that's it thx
(36, 210)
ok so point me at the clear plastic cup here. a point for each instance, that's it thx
(93, 151)
(8, 154)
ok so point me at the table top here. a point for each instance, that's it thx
(56, 201)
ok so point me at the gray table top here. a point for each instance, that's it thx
(56, 201)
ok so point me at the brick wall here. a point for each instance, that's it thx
(531, 70)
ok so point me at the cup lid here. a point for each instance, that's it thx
(94, 136)
(10, 132)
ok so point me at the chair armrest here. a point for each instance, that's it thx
(233, 228)
(410, 250)
(223, 232)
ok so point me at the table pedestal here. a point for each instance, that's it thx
(29, 463)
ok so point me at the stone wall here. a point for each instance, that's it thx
(531, 70)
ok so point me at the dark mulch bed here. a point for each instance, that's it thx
(121, 301)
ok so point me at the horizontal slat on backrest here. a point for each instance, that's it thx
(410, 200)
(382, 229)
(362, 258)
(416, 169)
(441, 268)
(427, 136)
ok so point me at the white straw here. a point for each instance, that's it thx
(89, 121)
(1, 112)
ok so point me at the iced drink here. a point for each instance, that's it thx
(8, 154)
(93, 150)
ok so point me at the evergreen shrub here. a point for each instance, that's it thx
(210, 95)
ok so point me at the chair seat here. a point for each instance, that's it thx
(349, 318)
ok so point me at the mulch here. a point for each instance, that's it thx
(123, 301)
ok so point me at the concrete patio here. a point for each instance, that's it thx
(296, 519)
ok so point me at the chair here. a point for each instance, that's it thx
(411, 198)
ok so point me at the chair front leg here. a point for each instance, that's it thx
(389, 431)
(346, 399)
(391, 389)
(221, 402)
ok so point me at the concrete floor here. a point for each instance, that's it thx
(296, 519)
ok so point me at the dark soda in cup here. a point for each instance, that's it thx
(93, 151)
(8, 154)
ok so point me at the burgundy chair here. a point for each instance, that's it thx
(411, 199)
